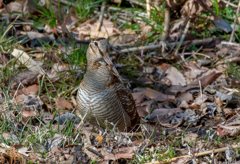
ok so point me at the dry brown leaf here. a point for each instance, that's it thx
(25, 59)
(19, 99)
(201, 99)
(218, 101)
(184, 104)
(26, 78)
(122, 39)
(3, 59)
(139, 97)
(163, 114)
(142, 111)
(158, 96)
(18, 6)
(107, 30)
(175, 76)
(53, 74)
(179, 89)
(118, 156)
(145, 32)
(9, 137)
(23, 150)
(1, 1)
(190, 8)
(152, 94)
(27, 114)
(31, 90)
(62, 103)
(147, 105)
(185, 97)
(33, 35)
(192, 74)
(207, 78)
(190, 137)
(228, 130)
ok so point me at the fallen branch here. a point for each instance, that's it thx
(235, 21)
(152, 47)
(101, 16)
(196, 154)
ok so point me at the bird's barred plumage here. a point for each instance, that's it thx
(101, 94)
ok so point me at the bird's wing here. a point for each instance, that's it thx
(128, 103)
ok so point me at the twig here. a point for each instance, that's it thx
(140, 14)
(137, 3)
(166, 29)
(230, 4)
(152, 47)
(101, 16)
(235, 21)
(183, 35)
(67, 3)
(200, 88)
(166, 24)
(95, 152)
(188, 53)
(196, 154)
(148, 9)
(231, 44)
(80, 124)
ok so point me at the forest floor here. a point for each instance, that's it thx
(180, 60)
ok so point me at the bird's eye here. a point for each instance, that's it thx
(96, 43)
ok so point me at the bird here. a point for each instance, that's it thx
(102, 97)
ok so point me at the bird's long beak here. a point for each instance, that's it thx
(112, 67)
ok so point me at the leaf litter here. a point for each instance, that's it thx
(188, 100)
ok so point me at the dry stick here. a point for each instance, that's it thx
(166, 24)
(230, 44)
(148, 9)
(101, 16)
(166, 29)
(235, 21)
(138, 3)
(196, 154)
(230, 4)
(183, 35)
(152, 47)
(67, 3)
(81, 124)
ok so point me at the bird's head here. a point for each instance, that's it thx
(98, 50)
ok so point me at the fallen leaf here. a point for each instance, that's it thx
(139, 96)
(62, 103)
(27, 61)
(201, 99)
(118, 156)
(185, 97)
(67, 117)
(31, 90)
(26, 78)
(18, 6)
(175, 76)
(190, 137)
(207, 78)
(163, 113)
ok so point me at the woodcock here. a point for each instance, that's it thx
(102, 95)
